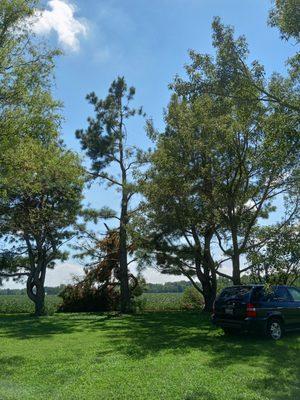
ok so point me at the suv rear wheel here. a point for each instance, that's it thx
(275, 329)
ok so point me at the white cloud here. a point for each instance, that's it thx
(61, 19)
(250, 204)
(63, 274)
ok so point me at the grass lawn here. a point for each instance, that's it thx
(166, 355)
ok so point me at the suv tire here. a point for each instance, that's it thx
(275, 329)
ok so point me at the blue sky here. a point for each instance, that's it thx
(147, 42)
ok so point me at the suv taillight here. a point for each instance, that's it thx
(251, 310)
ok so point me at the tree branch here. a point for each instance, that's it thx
(105, 177)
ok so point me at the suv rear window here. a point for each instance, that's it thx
(237, 292)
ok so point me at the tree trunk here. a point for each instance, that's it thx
(209, 285)
(209, 294)
(236, 274)
(205, 269)
(36, 293)
(125, 291)
(40, 302)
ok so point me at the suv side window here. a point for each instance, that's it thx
(281, 294)
(274, 294)
(261, 294)
(295, 293)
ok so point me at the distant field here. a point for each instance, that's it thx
(18, 304)
(162, 301)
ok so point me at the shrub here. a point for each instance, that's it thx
(138, 304)
(84, 298)
(192, 299)
(99, 290)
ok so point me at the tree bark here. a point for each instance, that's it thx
(209, 294)
(124, 281)
(40, 301)
(124, 284)
(236, 275)
(236, 270)
(36, 293)
(205, 269)
(210, 284)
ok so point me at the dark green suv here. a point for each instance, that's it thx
(255, 308)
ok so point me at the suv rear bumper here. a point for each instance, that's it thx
(247, 324)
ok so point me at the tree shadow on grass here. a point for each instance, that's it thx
(8, 364)
(180, 333)
(29, 327)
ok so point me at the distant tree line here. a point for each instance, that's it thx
(49, 290)
(167, 287)
(180, 286)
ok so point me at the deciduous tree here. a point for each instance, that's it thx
(254, 146)
(26, 70)
(285, 15)
(178, 219)
(43, 187)
(277, 261)
(27, 108)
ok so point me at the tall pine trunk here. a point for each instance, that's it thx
(125, 290)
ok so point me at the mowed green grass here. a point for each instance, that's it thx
(158, 355)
